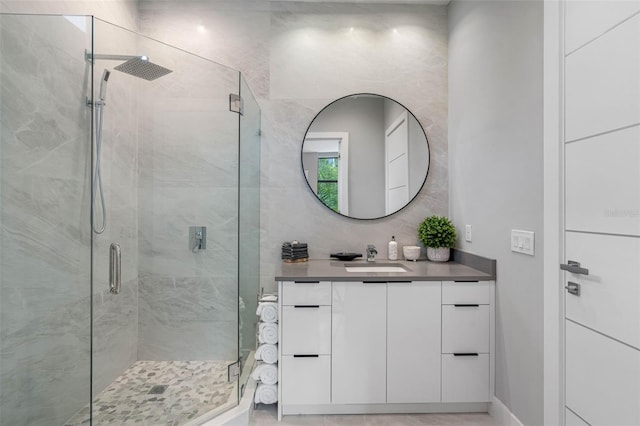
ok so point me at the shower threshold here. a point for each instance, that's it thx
(162, 393)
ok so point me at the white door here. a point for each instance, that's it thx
(602, 213)
(397, 164)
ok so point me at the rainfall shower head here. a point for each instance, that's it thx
(137, 66)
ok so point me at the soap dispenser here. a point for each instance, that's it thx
(392, 254)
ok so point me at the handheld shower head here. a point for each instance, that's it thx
(103, 84)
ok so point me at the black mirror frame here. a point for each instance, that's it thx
(365, 218)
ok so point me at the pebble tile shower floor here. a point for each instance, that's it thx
(161, 393)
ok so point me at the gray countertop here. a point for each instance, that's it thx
(421, 270)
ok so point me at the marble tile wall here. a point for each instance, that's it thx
(121, 12)
(188, 176)
(299, 56)
(45, 233)
(115, 319)
(46, 187)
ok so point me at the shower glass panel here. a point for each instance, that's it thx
(249, 258)
(45, 229)
(100, 147)
(169, 161)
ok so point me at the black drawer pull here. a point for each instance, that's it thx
(466, 354)
(464, 281)
(307, 282)
(466, 306)
(306, 306)
(306, 356)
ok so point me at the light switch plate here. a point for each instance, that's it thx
(467, 233)
(523, 242)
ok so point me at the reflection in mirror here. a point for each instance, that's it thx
(365, 156)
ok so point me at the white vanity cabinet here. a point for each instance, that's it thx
(467, 337)
(305, 342)
(351, 347)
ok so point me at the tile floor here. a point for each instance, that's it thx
(161, 393)
(266, 415)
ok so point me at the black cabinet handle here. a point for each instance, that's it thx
(307, 282)
(306, 306)
(466, 354)
(467, 306)
(465, 281)
(306, 356)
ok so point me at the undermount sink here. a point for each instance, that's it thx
(390, 267)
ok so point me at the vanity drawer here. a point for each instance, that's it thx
(477, 292)
(306, 293)
(306, 330)
(465, 328)
(465, 378)
(306, 379)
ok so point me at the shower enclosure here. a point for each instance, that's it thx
(112, 140)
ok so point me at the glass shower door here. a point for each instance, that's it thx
(45, 237)
(249, 258)
(169, 169)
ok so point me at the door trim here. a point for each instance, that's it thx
(553, 212)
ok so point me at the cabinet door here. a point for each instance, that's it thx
(465, 328)
(306, 379)
(413, 342)
(359, 356)
(306, 330)
(465, 378)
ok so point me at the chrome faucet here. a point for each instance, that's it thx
(371, 253)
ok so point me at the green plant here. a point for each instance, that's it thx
(437, 231)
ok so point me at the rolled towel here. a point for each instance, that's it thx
(266, 373)
(268, 333)
(266, 394)
(267, 353)
(268, 298)
(268, 311)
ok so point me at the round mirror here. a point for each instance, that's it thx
(365, 156)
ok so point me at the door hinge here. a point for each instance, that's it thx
(233, 371)
(236, 104)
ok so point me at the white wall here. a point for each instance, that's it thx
(495, 143)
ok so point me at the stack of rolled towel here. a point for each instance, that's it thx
(266, 370)
(295, 252)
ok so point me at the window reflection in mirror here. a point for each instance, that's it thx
(365, 156)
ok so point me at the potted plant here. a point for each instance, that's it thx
(438, 235)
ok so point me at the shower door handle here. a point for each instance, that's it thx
(115, 268)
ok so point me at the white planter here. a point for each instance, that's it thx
(440, 254)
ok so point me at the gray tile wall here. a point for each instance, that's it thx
(297, 57)
(188, 176)
(115, 317)
(45, 233)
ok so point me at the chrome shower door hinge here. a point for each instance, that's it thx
(233, 372)
(236, 104)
